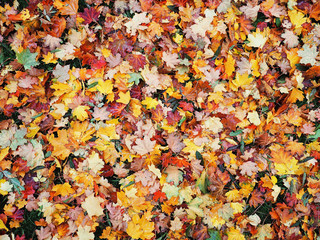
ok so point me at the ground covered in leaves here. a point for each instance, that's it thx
(166, 119)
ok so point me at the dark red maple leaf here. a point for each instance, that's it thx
(89, 15)
(121, 45)
(116, 108)
(107, 171)
(200, 231)
(137, 61)
(173, 117)
(136, 92)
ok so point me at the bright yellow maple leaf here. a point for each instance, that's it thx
(124, 97)
(105, 87)
(140, 228)
(49, 58)
(235, 234)
(297, 18)
(241, 81)
(63, 189)
(150, 102)
(80, 112)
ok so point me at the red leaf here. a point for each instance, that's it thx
(186, 106)
(121, 45)
(107, 171)
(137, 61)
(173, 117)
(158, 195)
(89, 15)
(116, 108)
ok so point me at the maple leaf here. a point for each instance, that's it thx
(314, 12)
(176, 224)
(84, 233)
(43, 233)
(170, 59)
(256, 198)
(144, 146)
(290, 39)
(264, 232)
(81, 113)
(175, 143)
(95, 162)
(89, 15)
(248, 168)
(61, 73)
(27, 59)
(174, 175)
(121, 45)
(69, 7)
(308, 54)
(257, 39)
(92, 206)
(63, 189)
(137, 61)
(135, 23)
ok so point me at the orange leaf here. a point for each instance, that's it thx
(281, 156)
(68, 7)
(315, 11)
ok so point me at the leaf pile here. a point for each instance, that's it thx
(167, 119)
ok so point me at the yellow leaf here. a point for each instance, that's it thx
(150, 102)
(49, 58)
(32, 130)
(241, 81)
(237, 207)
(297, 18)
(106, 52)
(235, 234)
(229, 65)
(105, 87)
(63, 189)
(80, 112)
(295, 95)
(3, 153)
(135, 107)
(3, 226)
(124, 97)
(293, 57)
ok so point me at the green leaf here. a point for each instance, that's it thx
(214, 235)
(235, 133)
(181, 121)
(199, 156)
(135, 77)
(92, 85)
(27, 59)
(16, 184)
(314, 136)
